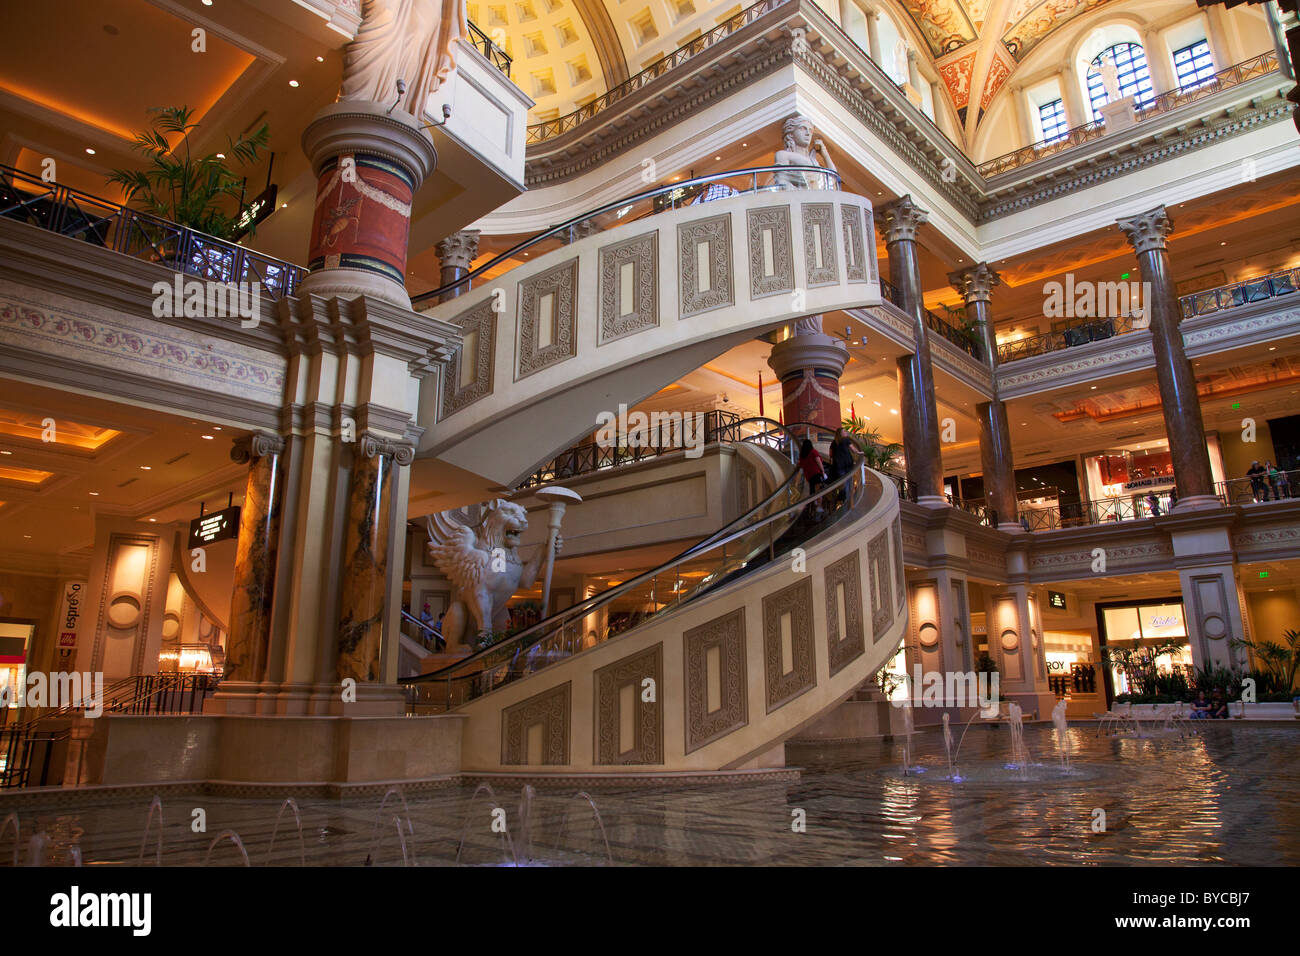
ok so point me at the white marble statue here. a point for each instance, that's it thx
(408, 40)
(1109, 79)
(801, 149)
(483, 565)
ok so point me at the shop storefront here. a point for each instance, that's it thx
(15, 645)
(1137, 481)
(1129, 635)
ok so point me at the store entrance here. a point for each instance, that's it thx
(16, 638)
(1145, 650)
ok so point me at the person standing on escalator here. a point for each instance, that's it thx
(813, 467)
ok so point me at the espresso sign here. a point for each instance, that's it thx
(74, 593)
(216, 526)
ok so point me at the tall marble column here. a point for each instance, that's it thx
(900, 221)
(1180, 403)
(259, 531)
(976, 286)
(369, 162)
(809, 365)
(365, 557)
(456, 253)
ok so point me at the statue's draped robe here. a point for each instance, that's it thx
(411, 40)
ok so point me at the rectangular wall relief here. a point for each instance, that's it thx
(548, 305)
(845, 635)
(620, 694)
(882, 592)
(898, 562)
(467, 376)
(723, 639)
(549, 711)
(704, 266)
(858, 267)
(771, 258)
(789, 661)
(820, 258)
(629, 287)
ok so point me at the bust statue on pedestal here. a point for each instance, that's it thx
(801, 149)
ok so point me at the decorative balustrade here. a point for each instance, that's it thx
(1239, 293)
(483, 43)
(1234, 75)
(78, 215)
(1077, 333)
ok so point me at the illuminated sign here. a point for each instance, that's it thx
(215, 526)
(261, 206)
(1056, 599)
(74, 592)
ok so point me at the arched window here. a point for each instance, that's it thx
(1130, 72)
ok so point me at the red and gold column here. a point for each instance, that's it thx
(809, 365)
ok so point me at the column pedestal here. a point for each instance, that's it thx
(369, 164)
(809, 368)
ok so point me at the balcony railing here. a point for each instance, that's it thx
(1239, 293)
(78, 215)
(1078, 333)
(483, 43)
(661, 67)
(1261, 65)
(964, 340)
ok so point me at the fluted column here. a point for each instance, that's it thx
(976, 286)
(259, 531)
(455, 254)
(1180, 404)
(365, 556)
(900, 221)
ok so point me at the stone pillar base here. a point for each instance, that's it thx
(932, 501)
(1196, 503)
(1011, 527)
(351, 284)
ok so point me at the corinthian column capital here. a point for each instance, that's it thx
(976, 283)
(256, 445)
(901, 219)
(459, 249)
(1147, 231)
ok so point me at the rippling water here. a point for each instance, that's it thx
(1229, 795)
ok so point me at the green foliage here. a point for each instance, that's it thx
(878, 453)
(1209, 679)
(1139, 667)
(888, 681)
(1275, 664)
(199, 192)
(985, 664)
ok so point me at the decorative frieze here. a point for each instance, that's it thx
(788, 613)
(623, 681)
(715, 673)
(845, 631)
(478, 346)
(821, 261)
(550, 711)
(548, 305)
(705, 265)
(771, 258)
(629, 280)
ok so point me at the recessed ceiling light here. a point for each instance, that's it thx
(216, 428)
(95, 493)
(153, 519)
(209, 437)
(90, 151)
(6, 453)
(893, 411)
(146, 468)
(744, 144)
(221, 155)
(320, 59)
(284, 205)
(207, 3)
(294, 84)
(27, 536)
(1093, 387)
(717, 157)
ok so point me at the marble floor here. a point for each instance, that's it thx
(1228, 795)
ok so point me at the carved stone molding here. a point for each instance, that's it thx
(773, 221)
(727, 635)
(976, 283)
(483, 321)
(819, 243)
(783, 686)
(643, 253)
(845, 640)
(882, 592)
(648, 716)
(1148, 231)
(857, 266)
(900, 581)
(901, 219)
(256, 445)
(550, 709)
(561, 283)
(372, 446)
(458, 250)
(720, 292)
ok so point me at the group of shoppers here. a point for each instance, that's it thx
(1268, 481)
(818, 470)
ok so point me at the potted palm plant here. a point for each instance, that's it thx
(878, 453)
(199, 192)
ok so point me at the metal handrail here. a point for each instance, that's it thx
(548, 129)
(489, 660)
(1259, 489)
(1169, 100)
(568, 228)
(483, 43)
(1077, 333)
(1239, 293)
(80, 215)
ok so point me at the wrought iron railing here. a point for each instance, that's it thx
(661, 67)
(1275, 486)
(651, 202)
(78, 215)
(1261, 65)
(1239, 293)
(483, 43)
(1078, 333)
(966, 341)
